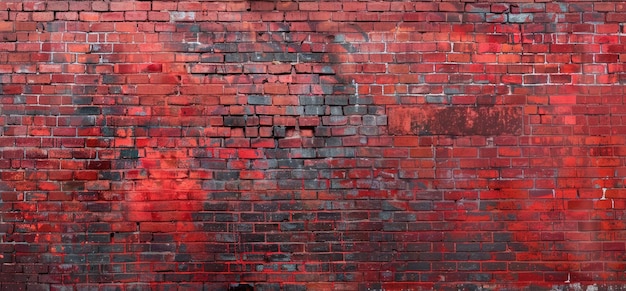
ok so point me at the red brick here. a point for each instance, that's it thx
(135, 15)
(43, 16)
(88, 16)
(6, 26)
(57, 6)
(562, 99)
(112, 16)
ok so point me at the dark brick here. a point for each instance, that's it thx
(355, 110)
(292, 226)
(311, 100)
(280, 131)
(266, 207)
(503, 236)
(290, 164)
(339, 100)
(226, 217)
(99, 238)
(113, 176)
(235, 121)
(328, 215)
(87, 110)
(227, 176)
(469, 266)
(129, 154)
(494, 266)
(315, 110)
(468, 247)
(99, 207)
(99, 165)
(418, 266)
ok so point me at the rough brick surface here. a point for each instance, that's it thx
(312, 145)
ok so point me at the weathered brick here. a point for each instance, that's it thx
(390, 145)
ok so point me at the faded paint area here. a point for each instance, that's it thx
(455, 121)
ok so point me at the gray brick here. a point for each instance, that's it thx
(381, 120)
(520, 17)
(315, 185)
(369, 120)
(310, 57)
(290, 164)
(294, 110)
(213, 185)
(280, 131)
(368, 130)
(314, 110)
(235, 58)
(362, 100)
(262, 57)
(305, 153)
(259, 100)
(311, 100)
(336, 100)
(286, 57)
(436, 99)
(331, 152)
(334, 142)
(355, 110)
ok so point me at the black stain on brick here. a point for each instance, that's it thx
(129, 154)
(234, 121)
(108, 175)
(227, 175)
(87, 110)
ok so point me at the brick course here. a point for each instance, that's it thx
(372, 145)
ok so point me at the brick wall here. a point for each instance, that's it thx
(312, 145)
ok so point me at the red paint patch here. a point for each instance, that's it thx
(455, 121)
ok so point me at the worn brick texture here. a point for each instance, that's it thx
(312, 145)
